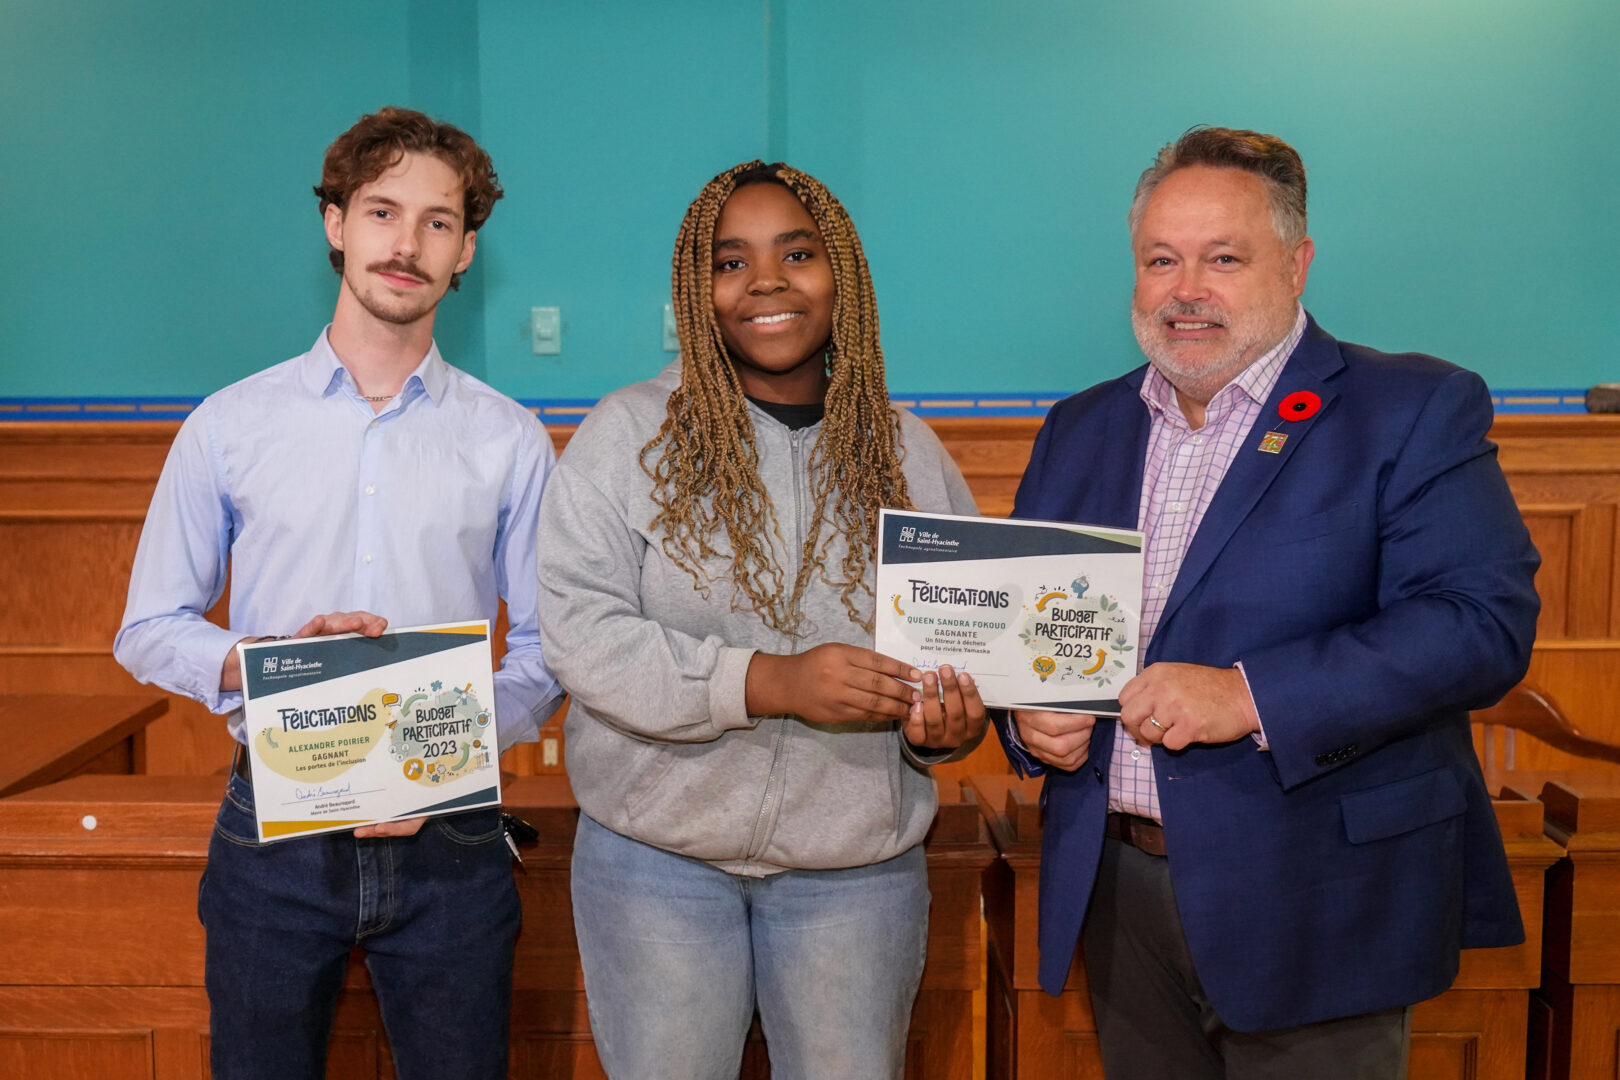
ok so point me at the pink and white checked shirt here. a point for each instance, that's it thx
(1179, 478)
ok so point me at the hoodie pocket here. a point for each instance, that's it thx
(646, 782)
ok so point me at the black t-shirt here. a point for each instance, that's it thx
(794, 416)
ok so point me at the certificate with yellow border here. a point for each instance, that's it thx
(1042, 614)
(349, 730)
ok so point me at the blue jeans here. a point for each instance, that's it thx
(677, 955)
(437, 914)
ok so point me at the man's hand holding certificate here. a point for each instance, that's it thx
(1043, 615)
(352, 730)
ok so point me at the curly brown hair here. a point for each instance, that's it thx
(706, 474)
(377, 143)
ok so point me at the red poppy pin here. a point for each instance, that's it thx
(1300, 405)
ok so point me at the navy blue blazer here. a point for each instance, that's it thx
(1375, 579)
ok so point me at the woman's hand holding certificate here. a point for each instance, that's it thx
(948, 712)
(844, 684)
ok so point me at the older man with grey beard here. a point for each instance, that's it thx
(1284, 839)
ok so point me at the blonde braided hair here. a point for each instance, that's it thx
(706, 475)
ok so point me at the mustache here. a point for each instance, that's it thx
(1181, 311)
(400, 266)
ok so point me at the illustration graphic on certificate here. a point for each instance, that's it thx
(348, 730)
(1042, 614)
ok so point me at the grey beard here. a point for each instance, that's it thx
(1206, 379)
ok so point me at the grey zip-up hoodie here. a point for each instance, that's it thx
(659, 744)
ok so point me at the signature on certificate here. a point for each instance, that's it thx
(321, 792)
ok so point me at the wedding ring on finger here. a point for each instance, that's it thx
(1154, 720)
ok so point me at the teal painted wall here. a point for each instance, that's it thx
(604, 121)
(1463, 157)
(158, 158)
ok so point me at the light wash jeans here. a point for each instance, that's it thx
(677, 955)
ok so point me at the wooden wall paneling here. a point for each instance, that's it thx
(359, 1045)
(1583, 893)
(105, 918)
(1585, 1042)
(186, 740)
(1553, 529)
(1612, 558)
(1530, 852)
(1475, 1031)
(1576, 542)
(73, 498)
(50, 737)
(942, 1023)
(543, 757)
(82, 466)
(1030, 1035)
(992, 454)
(1581, 956)
(1583, 677)
(52, 585)
(171, 1021)
(1479, 1028)
(550, 1025)
(536, 1054)
(89, 1055)
(984, 759)
(1591, 614)
(1469, 1035)
(1565, 473)
(74, 495)
(109, 943)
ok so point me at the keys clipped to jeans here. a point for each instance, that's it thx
(517, 831)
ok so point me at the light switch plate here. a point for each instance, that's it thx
(672, 339)
(545, 330)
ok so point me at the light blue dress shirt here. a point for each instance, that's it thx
(424, 513)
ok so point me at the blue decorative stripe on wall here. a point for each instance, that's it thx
(572, 410)
(1539, 401)
(63, 408)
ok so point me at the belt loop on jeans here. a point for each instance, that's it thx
(241, 763)
(1141, 833)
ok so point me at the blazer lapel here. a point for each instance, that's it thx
(1125, 456)
(1315, 359)
(1092, 474)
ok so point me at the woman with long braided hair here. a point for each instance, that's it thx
(753, 777)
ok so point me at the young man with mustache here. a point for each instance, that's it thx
(1285, 839)
(363, 483)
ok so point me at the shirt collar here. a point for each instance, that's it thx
(323, 373)
(1255, 381)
